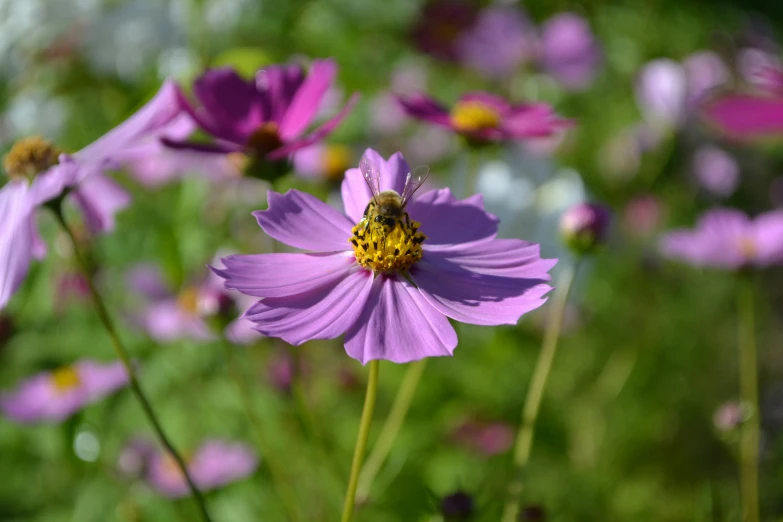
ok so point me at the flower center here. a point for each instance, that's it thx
(384, 249)
(337, 159)
(471, 116)
(65, 379)
(30, 156)
(188, 300)
(265, 139)
(747, 248)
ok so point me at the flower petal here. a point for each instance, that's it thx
(497, 103)
(717, 240)
(769, 238)
(321, 313)
(303, 221)
(747, 116)
(278, 84)
(315, 136)
(220, 462)
(481, 298)
(447, 221)
(17, 237)
(500, 257)
(355, 191)
(398, 325)
(307, 99)
(280, 275)
(99, 380)
(535, 120)
(166, 321)
(231, 101)
(100, 199)
(425, 108)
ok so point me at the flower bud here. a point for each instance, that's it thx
(457, 506)
(583, 227)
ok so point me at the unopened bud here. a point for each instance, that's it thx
(583, 227)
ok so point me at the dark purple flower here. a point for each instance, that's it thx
(266, 117)
(56, 395)
(38, 176)
(482, 117)
(214, 464)
(716, 170)
(729, 239)
(457, 506)
(501, 40)
(439, 26)
(584, 226)
(569, 51)
(389, 293)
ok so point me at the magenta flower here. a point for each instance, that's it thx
(388, 290)
(568, 51)
(584, 226)
(186, 315)
(56, 395)
(266, 117)
(728, 239)
(40, 175)
(216, 463)
(482, 117)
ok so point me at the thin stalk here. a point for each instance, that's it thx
(361, 441)
(108, 324)
(749, 394)
(276, 472)
(524, 441)
(471, 179)
(391, 427)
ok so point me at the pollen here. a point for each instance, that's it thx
(473, 115)
(65, 379)
(382, 250)
(30, 156)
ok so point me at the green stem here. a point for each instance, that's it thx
(106, 320)
(471, 179)
(391, 427)
(748, 380)
(524, 441)
(276, 473)
(361, 441)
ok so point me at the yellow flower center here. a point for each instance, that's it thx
(383, 249)
(65, 379)
(30, 156)
(265, 139)
(747, 248)
(473, 115)
(337, 159)
(188, 300)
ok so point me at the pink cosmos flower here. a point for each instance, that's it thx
(389, 293)
(38, 176)
(56, 395)
(168, 316)
(326, 162)
(716, 170)
(216, 463)
(487, 438)
(265, 117)
(568, 51)
(483, 117)
(728, 239)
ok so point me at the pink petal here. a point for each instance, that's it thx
(447, 221)
(398, 325)
(218, 462)
(303, 221)
(747, 116)
(307, 99)
(166, 321)
(99, 380)
(715, 242)
(322, 313)
(100, 199)
(424, 108)
(16, 238)
(500, 257)
(476, 298)
(278, 85)
(490, 100)
(768, 238)
(280, 275)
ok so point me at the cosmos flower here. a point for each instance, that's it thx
(482, 117)
(56, 395)
(584, 226)
(186, 315)
(751, 115)
(716, 170)
(326, 162)
(266, 117)
(391, 293)
(40, 174)
(214, 464)
(568, 51)
(728, 239)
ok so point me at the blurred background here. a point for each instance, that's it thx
(637, 421)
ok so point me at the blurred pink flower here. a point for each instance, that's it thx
(326, 162)
(643, 216)
(716, 170)
(487, 438)
(568, 51)
(729, 416)
(56, 395)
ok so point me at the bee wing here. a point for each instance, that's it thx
(414, 181)
(372, 175)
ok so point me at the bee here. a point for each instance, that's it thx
(387, 209)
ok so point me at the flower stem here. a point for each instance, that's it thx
(106, 320)
(391, 427)
(276, 473)
(361, 441)
(748, 381)
(471, 179)
(524, 441)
